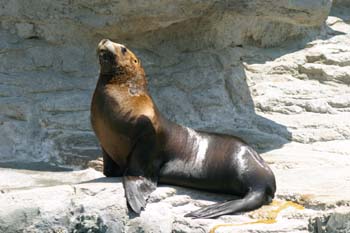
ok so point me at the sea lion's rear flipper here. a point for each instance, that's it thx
(141, 175)
(252, 200)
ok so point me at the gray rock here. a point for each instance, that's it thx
(318, 106)
(338, 222)
(341, 3)
(49, 63)
(25, 30)
(37, 200)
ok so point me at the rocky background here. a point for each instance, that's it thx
(275, 73)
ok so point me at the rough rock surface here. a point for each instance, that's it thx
(48, 66)
(85, 201)
(269, 76)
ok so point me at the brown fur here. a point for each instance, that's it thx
(141, 145)
(120, 99)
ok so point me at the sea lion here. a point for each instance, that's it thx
(144, 147)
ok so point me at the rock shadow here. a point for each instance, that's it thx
(34, 166)
(214, 97)
(104, 180)
(262, 133)
(198, 79)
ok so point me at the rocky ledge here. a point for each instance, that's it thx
(313, 196)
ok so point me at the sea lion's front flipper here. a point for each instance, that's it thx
(137, 190)
(110, 168)
(141, 175)
(139, 181)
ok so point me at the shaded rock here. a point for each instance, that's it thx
(338, 222)
(89, 223)
(125, 19)
(341, 3)
(326, 73)
(25, 30)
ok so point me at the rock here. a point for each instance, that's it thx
(326, 72)
(196, 76)
(96, 164)
(85, 201)
(156, 219)
(151, 16)
(41, 60)
(338, 222)
(25, 30)
(318, 106)
(341, 3)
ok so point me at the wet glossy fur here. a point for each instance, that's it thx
(141, 145)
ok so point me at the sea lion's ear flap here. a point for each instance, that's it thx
(139, 61)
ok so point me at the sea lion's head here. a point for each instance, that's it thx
(117, 60)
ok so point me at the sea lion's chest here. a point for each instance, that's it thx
(114, 114)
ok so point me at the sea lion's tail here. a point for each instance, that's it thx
(253, 200)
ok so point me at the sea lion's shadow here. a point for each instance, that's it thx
(104, 180)
(185, 191)
(200, 198)
(197, 195)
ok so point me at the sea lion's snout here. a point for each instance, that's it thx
(106, 52)
(107, 45)
(102, 42)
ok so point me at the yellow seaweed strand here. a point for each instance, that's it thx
(270, 219)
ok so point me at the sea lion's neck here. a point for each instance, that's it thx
(131, 80)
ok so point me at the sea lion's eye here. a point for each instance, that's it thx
(135, 61)
(123, 50)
